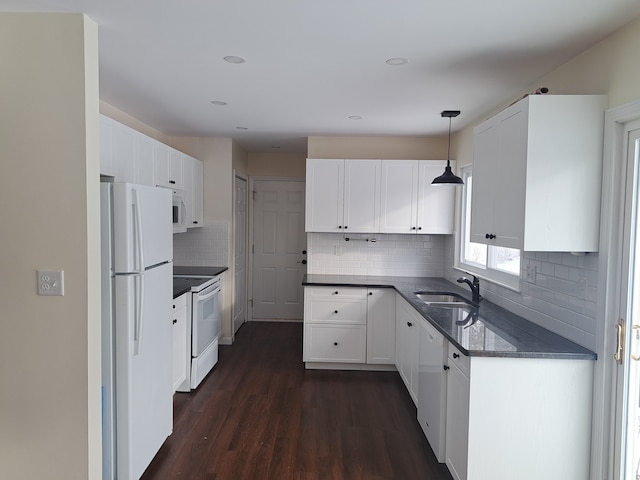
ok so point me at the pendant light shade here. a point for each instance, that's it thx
(448, 177)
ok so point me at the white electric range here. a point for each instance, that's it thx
(205, 285)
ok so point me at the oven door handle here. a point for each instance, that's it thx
(208, 292)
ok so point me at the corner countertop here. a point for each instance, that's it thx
(485, 331)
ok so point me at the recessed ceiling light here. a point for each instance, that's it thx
(397, 61)
(234, 59)
(355, 117)
(242, 128)
(218, 102)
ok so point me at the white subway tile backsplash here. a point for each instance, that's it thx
(208, 245)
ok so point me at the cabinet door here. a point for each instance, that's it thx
(179, 316)
(485, 166)
(435, 203)
(499, 180)
(381, 326)
(399, 196)
(361, 195)
(106, 146)
(187, 179)
(123, 153)
(176, 159)
(161, 163)
(144, 160)
(197, 208)
(324, 195)
(432, 388)
(407, 342)
(457, 443)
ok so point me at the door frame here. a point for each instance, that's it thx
(614, 172)
(240, 176)
(251, 194)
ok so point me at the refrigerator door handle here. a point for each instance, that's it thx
(138, 315)
(138, 231)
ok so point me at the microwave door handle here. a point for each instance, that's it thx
(184, 212)
(138, 231)
(138, 281)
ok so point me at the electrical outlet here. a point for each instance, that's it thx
(530, 273)
(51, 282)
(582, 287)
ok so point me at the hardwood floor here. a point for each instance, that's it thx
(260, 415)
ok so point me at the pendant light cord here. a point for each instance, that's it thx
(449, 145)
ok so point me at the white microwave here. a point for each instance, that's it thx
(179, 212)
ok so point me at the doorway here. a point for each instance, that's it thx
(279, 249)
(627, 355)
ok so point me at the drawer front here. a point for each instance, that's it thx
(335, 343)
(462, 361)
(352, 311)
(336, 293)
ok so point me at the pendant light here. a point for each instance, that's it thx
(448, 177)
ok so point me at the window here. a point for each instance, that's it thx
(497, 264)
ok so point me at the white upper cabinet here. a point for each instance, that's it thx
(192, 178)
(144, 160)
(169, 167)
(106, 145)
(377, 196)
(537, 174)
(342, 195)
(410, 203)
(123, 148)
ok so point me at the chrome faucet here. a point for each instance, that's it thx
(474, 286)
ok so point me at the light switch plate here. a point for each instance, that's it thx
(51, 282)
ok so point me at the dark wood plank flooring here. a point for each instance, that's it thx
(260, 415)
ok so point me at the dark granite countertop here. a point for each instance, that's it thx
(486, 331)
(182, 285)
(208, 271)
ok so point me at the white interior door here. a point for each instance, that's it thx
(240, 253)
(279, 246)
(627, 439)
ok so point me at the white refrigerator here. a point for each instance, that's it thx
(137, 252)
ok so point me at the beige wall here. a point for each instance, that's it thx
(277, 164)
(390, 148)
(49, 346)
(611, 67)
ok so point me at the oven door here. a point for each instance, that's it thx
(206, 318)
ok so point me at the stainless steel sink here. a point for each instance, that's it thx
(443, 299)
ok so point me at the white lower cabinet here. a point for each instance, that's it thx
(457, 414)
(349, 325)
(180, 316)
(335, 324)
(432, 388)
(381, 326)
(408, 324)
(524, 418)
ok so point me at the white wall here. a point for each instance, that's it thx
(50, 404)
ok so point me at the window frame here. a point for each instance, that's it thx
(502, 278)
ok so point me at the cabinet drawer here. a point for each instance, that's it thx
(336, 293)
(339, 311)
(335, 343)
(461, 360)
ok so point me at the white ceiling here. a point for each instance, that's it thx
(311, 64)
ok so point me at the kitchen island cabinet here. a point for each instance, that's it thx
(536, 175)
